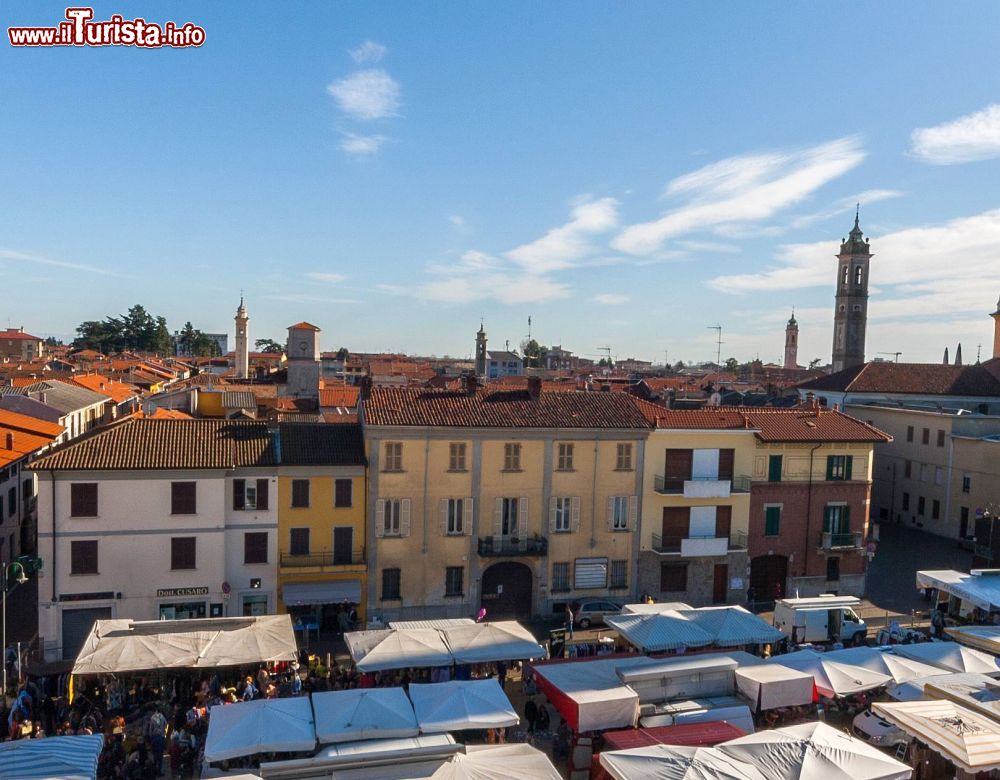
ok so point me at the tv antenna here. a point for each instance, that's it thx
(895, 355)
(718, 343)
(606, 351)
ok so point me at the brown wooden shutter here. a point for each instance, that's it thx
(83, 557)
(299, 541)
(183, 498)
(676, 523)
(300, 492)
(262, 493)
(726, 463)
(83, 499)
(182, 552)
(723, 521)
(677, 468)
(342, 493)
(239, 494)
(255, 547)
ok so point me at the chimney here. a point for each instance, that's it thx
(534, 387)
(470, 382)
(10, 440)
(366, 388)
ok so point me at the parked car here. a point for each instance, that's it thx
(594, 611)
(875, 731)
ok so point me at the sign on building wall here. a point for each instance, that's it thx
(171, 592)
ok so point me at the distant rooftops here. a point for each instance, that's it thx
(913, 378)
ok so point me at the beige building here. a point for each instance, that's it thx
(518, 501)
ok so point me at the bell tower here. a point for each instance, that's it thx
(481, 352)
(792, 342)
(850, 318)
(242, 341)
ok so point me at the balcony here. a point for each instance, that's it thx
(321, 561)
(700, 546)
(700, 487)
(853, 540)
(494, 545)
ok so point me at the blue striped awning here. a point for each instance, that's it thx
(65, 758)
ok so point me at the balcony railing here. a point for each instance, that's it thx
(696, 546)
(327, 559)
(493, 545)
(851, 540)
(700, 487)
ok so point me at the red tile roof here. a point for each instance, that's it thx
(346, 396)
(491, 408)
(26, 435)
(303, 326)
(914, 378)
(116, 391)
(773, 425)
(18, 335)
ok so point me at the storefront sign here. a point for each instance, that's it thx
(171, 592)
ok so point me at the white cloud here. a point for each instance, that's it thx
(741, 189)
(611, 299)
(326, 277)
(367, 94)
(972, 137)
(509, 288)
(561, 246)
(23, 257)
(368, 53)
(362, 144)
(297, 298)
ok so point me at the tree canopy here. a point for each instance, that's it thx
(268, 345)
(139, 331)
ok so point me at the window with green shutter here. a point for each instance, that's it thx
(838, 467)
(772, 520)
(774, 468)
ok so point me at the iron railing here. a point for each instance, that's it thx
(672, 544)
(851, 540)
(738, 484)
(326, 559)
(491, 545)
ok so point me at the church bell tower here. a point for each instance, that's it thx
(242, 341)
(850, 317)
(481, 352)
(792, 342)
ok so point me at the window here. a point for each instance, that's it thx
(858, 275)
(940, 438)
(456, 456)
(255, 547)
(83, 558)
(832, 569)
(453, 581)
(935, 509)
(623, 461)
(923, 472)
(560, 577)
(390, 584)
(342, 493)
(906, 502)
(843, 276)
(837, 519)
(673, 577)
(565, 461)
(774, 468)
(921, 505)
(455, 522)
(908, 468)
(393, 456)
(182, 552)
(83, 499)
(512, 457)
(562, 517)
(299, 541)
(300, 493)
(249, 494)
(839, 467)
(183, 498)
(590, 573)
(772, 520)
(619, 506)
(391, 515)
(925, 437)
(939, 476)
(966, 483)
(619, 574)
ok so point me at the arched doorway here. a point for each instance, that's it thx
(768, 573)
(506, 591)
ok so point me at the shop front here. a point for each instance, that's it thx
(187, 604)
(318, 606)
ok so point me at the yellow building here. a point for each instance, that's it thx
(518, 501)
(322, 551)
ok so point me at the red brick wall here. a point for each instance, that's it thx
(792, 538)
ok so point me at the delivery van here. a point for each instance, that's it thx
(826, 618)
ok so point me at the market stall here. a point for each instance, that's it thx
(363, 713)
(383, 649)
(733, 626)
(900, 668)
(498, 762)
(66, 758)
(676, 762)
(478, 643)
(260, 726)
(832, 677)
(457, 705)
(773, 686)
(951, 656)
(985, 638)
(656, 632)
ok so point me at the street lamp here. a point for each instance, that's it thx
(21, 579)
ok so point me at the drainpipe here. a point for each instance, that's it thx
(427, 457)
(593, 499)
(809, 497)
(52, 492)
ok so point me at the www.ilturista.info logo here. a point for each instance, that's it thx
(79, 29)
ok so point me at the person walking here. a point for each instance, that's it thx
(531, 714)
(156, 734)
(569, 620)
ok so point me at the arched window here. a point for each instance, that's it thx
(857, 276)
(844, 279)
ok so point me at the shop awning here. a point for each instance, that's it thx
(297, 594)
(71, 758)
(261, 726)
(457, 705)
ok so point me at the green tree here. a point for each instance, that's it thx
(52, 341)
(814, 364)
(267, 345)
(203, 346)
(342, 353)
(104, 336)
(185, 339)
(534, 353)
(732, 364)
(679, 365)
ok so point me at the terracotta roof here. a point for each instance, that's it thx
(335, 418)
(27, 424)
(490, 408)
(772, 425)
(346, 396)
(142, 443)
(168, 414)
(303, 326)
(115, 390)
(914, 378)
(18, 335)
(21, 444)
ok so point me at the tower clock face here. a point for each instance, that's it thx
(303, 345)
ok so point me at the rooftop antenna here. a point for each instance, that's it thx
(529, 327)
(894, 354)
(718, 343)
(606, 350)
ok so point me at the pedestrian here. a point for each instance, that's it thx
(569, 619)
(543, 718)
(531, 714)
(156, 733)
(560, 745)
(937, 623)
(501, 673)
(751, 597)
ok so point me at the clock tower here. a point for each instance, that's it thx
(242, 341)
(850, 318)
(303, 353)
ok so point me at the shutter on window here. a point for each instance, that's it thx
(467, 519)
(726, 458)
(633, 513)
(404, 517)
(829, 466)
(380, 517)
(849, 467)
(826, 520)
(262, 493)
(522, 519)
(552, 514)
(611, 513)
(574, 522)
(239, 493)
(443, 511)
(845, 523)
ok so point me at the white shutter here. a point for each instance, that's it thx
(467, 516)
(522, 519)
(574, 523)
(611, 513)
(498, 524)
(633, 513)
(404, 517)
(552, 514)
(444, 516)
(380, 518)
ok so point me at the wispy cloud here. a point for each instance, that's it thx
(562, 246)
(368, 53)
(297, 298)
(611, 299)
(367, 94)
(972, 137)
(362, 145)
(10, 254)
(741, 189)
(330, 278)
(502, 287)
(457, 220)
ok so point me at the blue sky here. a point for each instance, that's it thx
(626, 174)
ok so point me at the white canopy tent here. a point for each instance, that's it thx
(498, 762)
(461, 704)
(116, 646)
(981, 588)
(506, 640)
(813, 750)
(769, 686)
(658, 631)
(402, 625)
(951, 656)
(985, 638)
(65, 758)
(733, 626)
(363, 713)
(676, 762)
(969, 740)
(386, 648)
(261, 726)
(832, 677)
(900, 668)
(658, 606)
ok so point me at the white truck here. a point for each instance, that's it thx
(826, 618)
